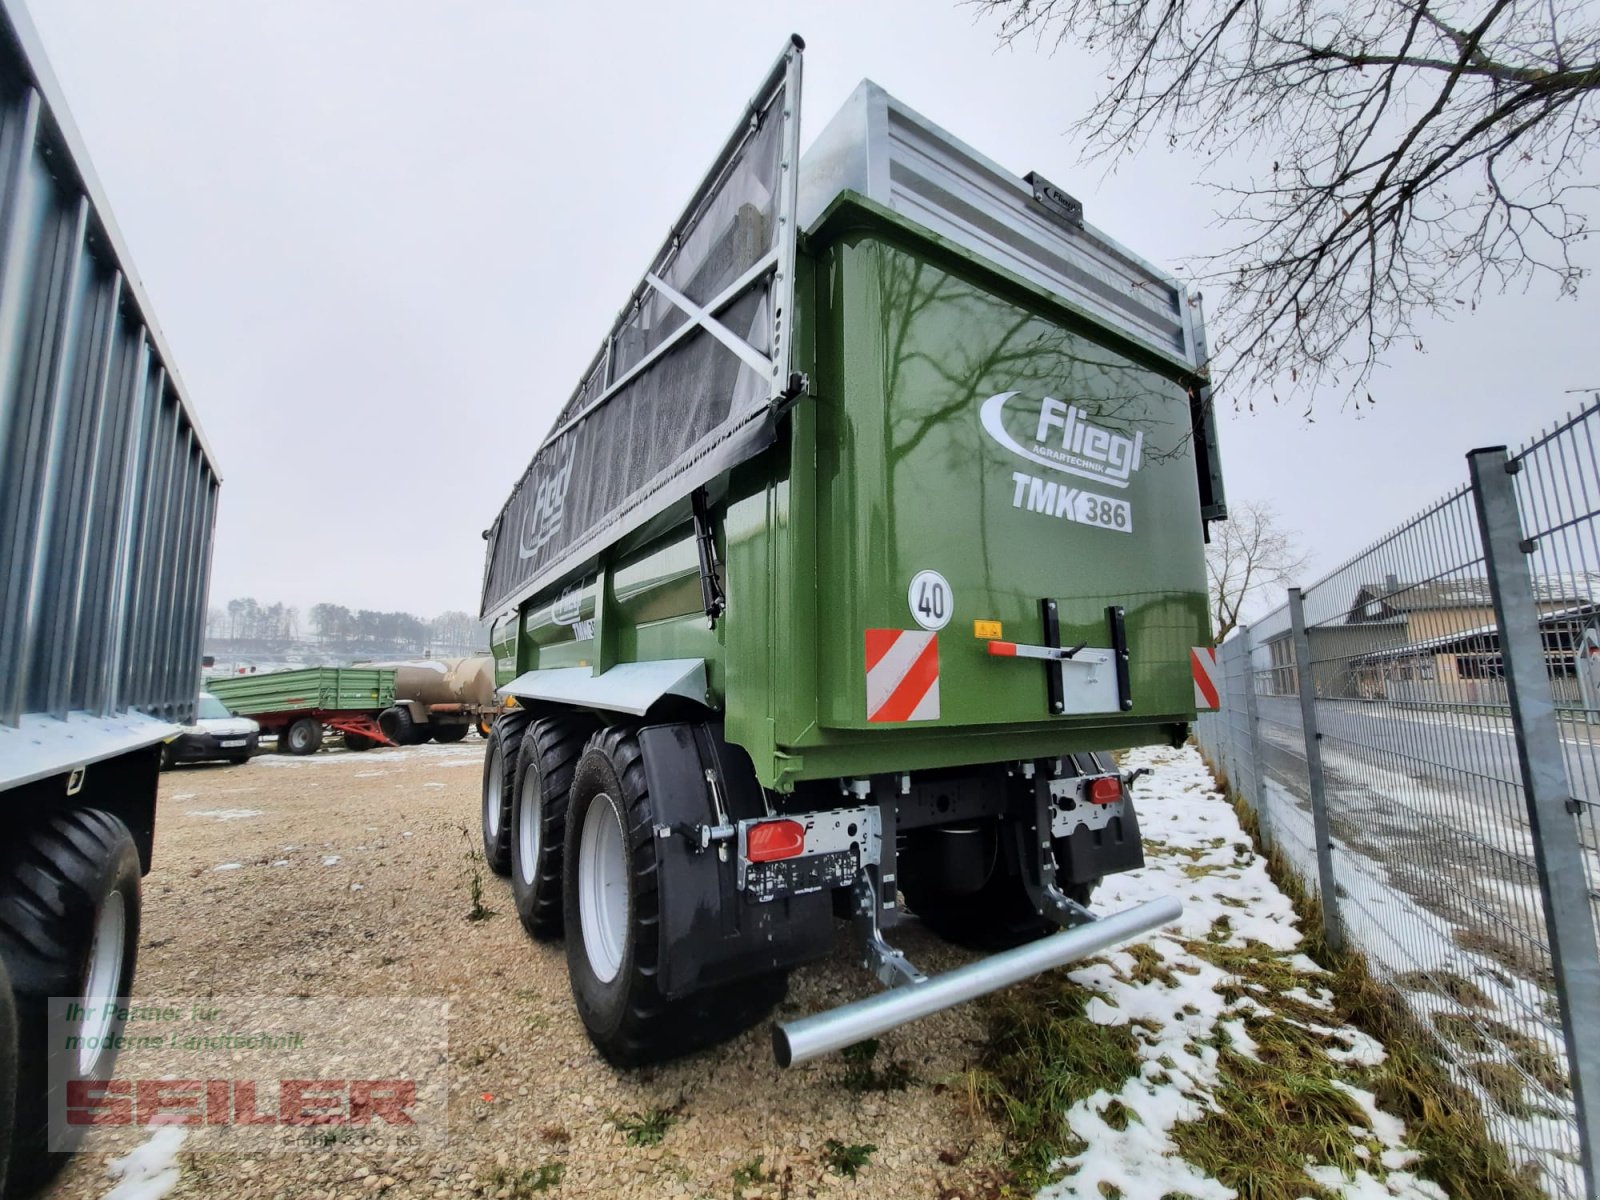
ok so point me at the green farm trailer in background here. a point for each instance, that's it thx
(297, 706)
(381, 704)
(877, 519)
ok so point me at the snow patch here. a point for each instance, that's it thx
(1179, 1018)
(150, 1171)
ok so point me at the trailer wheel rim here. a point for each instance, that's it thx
(100, 985)
(603, 888)
(530, 819)
(491, 791)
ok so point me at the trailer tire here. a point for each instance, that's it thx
(358, 742)
(537, 827)
(69, 926)
(401, 728)
(499, 785)
(303, 736)
(449, 735)
(610, 857)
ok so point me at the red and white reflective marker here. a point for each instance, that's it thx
(902, 675)
(1203, 665)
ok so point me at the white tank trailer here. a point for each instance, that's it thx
(439, 698)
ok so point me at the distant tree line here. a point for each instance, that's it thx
(344, 631)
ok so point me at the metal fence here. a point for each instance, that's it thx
(1419, 736)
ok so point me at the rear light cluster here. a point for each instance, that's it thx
(772, 840)
(1105, 790)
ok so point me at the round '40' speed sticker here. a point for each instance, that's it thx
(932, 602)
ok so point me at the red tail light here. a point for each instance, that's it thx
(772, 840)
(1106, 790)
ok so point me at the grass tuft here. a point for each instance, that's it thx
(1118, 1115)
(1149, 966)
(860, 1073)
(1444, 983)
(646, 1128)
(527, 1183)
(1504, 1084)
(844, 1159)
(477, 910)
(1533, 1056)
(1463, 1031)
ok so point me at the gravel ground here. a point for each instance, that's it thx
(348, 876)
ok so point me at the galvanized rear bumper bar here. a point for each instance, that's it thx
(824, 1032)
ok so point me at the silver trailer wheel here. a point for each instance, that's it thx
(100, 986)
(493, 781)
(603, 888)
(530, 820)
(499, 780)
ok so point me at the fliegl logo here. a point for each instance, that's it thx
(1064, 439)
(548, 508)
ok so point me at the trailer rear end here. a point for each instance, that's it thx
(108, 495)
(878, 520)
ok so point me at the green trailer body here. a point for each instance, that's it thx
(282, 694)
(877, 521)
(885, 471)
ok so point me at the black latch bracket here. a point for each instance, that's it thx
(1116, 618)
(1055, 682)
(712, 597)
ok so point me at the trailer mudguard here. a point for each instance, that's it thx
(710, 933)
(631, 688)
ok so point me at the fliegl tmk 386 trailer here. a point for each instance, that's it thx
(878, 518)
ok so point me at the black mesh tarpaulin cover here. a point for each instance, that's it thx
(683, 387)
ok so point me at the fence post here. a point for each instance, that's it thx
(1258, 801)
(1563, 887)
(1332, 929)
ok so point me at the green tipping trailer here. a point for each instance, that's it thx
(879, 517)
(298, 705)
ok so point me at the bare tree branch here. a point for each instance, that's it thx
(1422, 153)
(1249, 552)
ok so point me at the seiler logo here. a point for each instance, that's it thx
(1065, 440)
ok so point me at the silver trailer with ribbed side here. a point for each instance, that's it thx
(108, 497)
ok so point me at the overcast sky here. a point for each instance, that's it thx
(384, 236)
